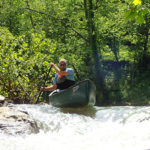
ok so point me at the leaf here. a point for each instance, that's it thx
(131, 14)
(137, 2)
(144, 11)
(140, 19)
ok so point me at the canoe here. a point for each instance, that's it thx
(79, 95)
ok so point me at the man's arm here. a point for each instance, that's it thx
(51, 88)
(56, 68)
(62, 73)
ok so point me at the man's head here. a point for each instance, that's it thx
(62, 64)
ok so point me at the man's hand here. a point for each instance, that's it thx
(52, 64)
(42, 89)
(55, 67)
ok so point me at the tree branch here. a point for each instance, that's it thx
(30, 15)
(80, 35)
(49, 15)
(36, 11)
(77, 74)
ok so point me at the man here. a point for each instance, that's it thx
(64, 77)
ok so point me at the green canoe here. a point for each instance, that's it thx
(79, 95)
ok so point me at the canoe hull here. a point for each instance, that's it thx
(79, 95)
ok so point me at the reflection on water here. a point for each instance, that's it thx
(89, 111)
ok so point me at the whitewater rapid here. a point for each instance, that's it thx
(96, 128)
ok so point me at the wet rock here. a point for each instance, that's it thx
(1, 103)
(2, 97)
(14, 122)
(2, 100)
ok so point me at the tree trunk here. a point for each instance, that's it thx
(144, 61)
(89, 14)
(31, 18)
(10, 17)
(145, 44)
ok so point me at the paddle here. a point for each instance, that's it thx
(46, 77)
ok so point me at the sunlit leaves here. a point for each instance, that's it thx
(23, 64)
(60, 30)
(137, 2)
(138, 11)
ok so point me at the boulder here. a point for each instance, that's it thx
(14, 122)
(4, 101)
(2, 98)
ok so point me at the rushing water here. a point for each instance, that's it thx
(96, 128)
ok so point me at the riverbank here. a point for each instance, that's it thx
(5, 101)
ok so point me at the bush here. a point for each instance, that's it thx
(23, 64)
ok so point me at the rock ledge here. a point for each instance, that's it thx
(13, 122)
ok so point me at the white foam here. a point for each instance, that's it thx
(116, 128)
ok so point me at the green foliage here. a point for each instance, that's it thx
(35, 33)
(137, 91)
(138, 10)
(23, 66)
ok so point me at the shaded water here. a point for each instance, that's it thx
(95, 128)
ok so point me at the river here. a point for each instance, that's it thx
(95, 128)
